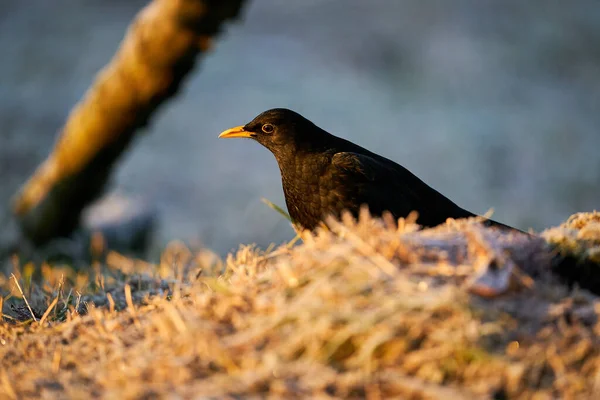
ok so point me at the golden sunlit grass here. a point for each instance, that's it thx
(579, 236)
(357, 310)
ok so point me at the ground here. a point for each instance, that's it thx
(359, 310)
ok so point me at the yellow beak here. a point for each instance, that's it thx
(237, 132)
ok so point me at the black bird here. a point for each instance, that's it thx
(323, 174)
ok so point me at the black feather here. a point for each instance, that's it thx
(323, 174)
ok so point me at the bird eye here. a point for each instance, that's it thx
(268, 128)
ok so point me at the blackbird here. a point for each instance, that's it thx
(323, 174)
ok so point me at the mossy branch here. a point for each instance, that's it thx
(158, 51)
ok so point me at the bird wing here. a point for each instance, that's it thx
(387, 186)
(375, 183)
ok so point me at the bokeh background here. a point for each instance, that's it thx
(494, 103)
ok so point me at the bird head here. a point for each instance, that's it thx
(279, 130)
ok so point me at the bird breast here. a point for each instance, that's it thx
(305, 190)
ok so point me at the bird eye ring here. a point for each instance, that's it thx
(268, 128)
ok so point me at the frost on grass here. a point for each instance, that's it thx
(577, 245)
(358, 310)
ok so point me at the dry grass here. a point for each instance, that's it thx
(579, 236)
(359, 310)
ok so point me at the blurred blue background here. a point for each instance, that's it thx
(493, 103)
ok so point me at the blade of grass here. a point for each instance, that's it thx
(49, 310)
(292, 242)
(24, 298)
(275, 207)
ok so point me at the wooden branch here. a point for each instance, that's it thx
(158, 51)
